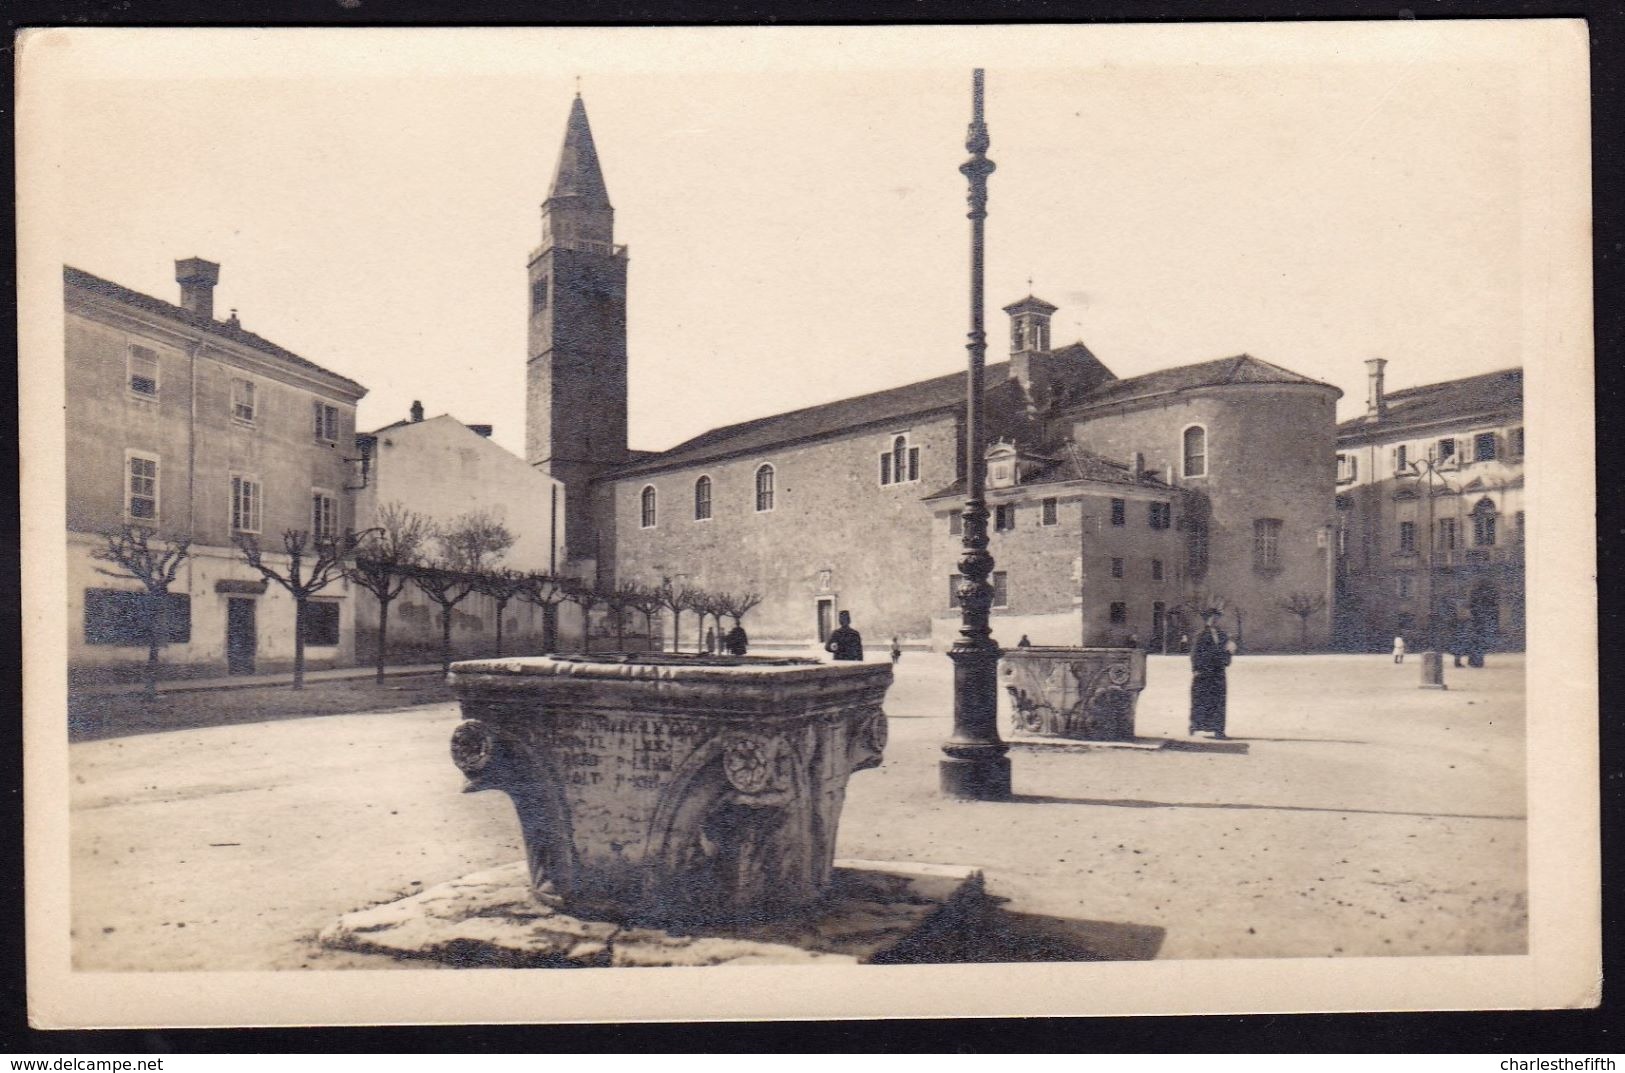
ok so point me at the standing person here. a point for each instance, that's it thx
(710, 641)
(736, 641)
(845, 642)
(896, 651)
(1210, 655)
(1399, 648)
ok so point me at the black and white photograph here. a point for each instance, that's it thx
(716, 523)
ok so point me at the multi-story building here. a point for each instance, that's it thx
(192, 427)
(442, 470)
(1431, 513)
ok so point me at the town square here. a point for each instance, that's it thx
(1078, 513)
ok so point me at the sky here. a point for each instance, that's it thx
(1314, 196)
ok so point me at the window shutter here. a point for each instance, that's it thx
(913, 463)
(885, 468)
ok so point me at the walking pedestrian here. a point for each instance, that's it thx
(1399, 648)
(896, 651)
(845, 643)
(1210, 656)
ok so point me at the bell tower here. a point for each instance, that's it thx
(1029, 336)
(575, 425)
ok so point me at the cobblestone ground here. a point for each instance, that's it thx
(1354, 815)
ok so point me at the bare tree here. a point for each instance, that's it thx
(313, 564)
(546, 592)
(585, 595)
(475, 541)
(1303, 604)
(676, 599)
(447, 587)
(131, 549)
(699, 602)
(470, 545)
(739, 606)
(383, 563)
(648, 602)
(501, 585)
(623, 597)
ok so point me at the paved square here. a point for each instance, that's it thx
(1354, 815)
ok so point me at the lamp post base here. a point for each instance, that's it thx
(982, 778)
(1433, 671)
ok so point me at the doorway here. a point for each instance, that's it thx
(240, 635)
(826, 617)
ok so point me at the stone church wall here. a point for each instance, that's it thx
(835, 533)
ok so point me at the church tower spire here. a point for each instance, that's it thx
(575, 426)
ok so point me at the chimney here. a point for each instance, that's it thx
(1376, 405)
(1136, 464)
(417, 411)
(481, 430)
(197, 278)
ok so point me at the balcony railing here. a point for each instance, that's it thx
(1491, 556)
(612, 249)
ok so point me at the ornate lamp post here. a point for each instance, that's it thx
(1432, 660)
(975, 767)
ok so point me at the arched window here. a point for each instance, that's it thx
(648, 518)
(1483, 523)
(899, 462)
(702, 499)
(764, 488)
(1195, 451)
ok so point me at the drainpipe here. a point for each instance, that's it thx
(553, 534)
(192, 352)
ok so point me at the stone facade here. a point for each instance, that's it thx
(440, 469)
(1268, 458)
(835, 539)
(198, 404)
(1470, 530)
(1062, 579)
(576, 390)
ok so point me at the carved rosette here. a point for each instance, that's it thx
(754, 764)
(472, 746)
(867, 743)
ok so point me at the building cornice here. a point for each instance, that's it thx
(181, 335)
(1084, 408)
(1386, 431)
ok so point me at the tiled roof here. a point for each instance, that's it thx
(1069, 462)
(1241, 369)
(106, 288)
(1483, 394)
(843, 415)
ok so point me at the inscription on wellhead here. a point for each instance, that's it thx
(624, 753)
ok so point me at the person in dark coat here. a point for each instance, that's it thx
(735, 640)
(845, 642)
(1210, 655)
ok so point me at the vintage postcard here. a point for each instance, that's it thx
(727, 523)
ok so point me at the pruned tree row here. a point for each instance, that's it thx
(446, 562)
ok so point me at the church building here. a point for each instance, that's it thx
(1118, 503)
